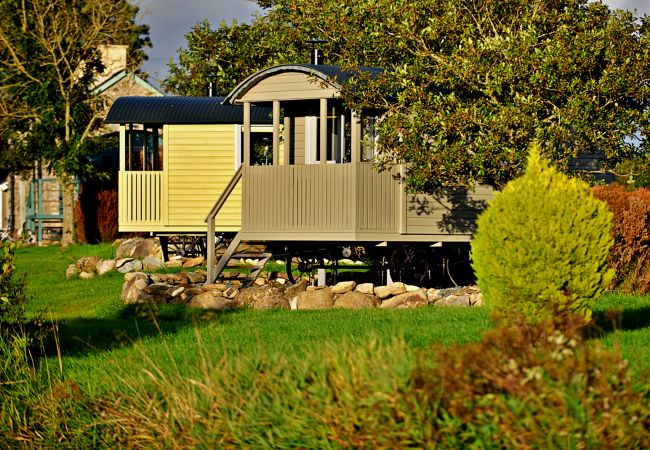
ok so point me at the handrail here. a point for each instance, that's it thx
(225, 194)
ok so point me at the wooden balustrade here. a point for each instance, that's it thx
(141, 199)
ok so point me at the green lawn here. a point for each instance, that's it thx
(99, 336)
(179, 378)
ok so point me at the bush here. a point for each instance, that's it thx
(535, 387)
(541, 246)
(630, 254)
(96, 211)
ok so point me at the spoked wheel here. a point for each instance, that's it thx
(305, 266)
(188, 246)
(409, 264)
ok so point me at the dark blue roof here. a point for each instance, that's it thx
(182, 110)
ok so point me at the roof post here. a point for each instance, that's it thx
(288, 125)
(323, 131)
(276, 132)
(123, 148)
(355, 136)
(247, 134)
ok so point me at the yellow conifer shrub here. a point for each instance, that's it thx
(541, 246)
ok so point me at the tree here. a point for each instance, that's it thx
(50, 54)
(470, 82)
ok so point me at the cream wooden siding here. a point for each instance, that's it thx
(200, 162)
(330, 198)
(289, 86)
(298, 140)
(449, 211)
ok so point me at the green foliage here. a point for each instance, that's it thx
(469, 83)
(541, 246)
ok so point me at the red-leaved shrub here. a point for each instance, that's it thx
(630, 255)
(107, 214)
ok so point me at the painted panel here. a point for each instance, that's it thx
(448, 211)
(201, 162)
(139, 199)
(330, 198)
(289, 86)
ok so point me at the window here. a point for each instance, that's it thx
(144, 148)
(368, 137)
(261, 148)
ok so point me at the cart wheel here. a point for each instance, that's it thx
(188, 246)
(409, 265)
(305, 266)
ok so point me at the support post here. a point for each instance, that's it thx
(288, 125)
(211, 249)
(247, 134)
(322, 146)
(276, 132)
(355, 138)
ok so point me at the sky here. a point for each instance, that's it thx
(170, 20)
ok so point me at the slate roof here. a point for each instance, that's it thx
(182, 110)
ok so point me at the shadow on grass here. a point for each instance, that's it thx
(619, 319)
(83, 336)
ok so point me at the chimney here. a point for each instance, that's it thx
(212, 86)
(316, 53)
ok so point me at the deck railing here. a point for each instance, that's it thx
(140, 198)
(331, 198)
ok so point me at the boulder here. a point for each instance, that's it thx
(208, 300)
(125, 265)
(343, 287)
(392, 289)
(134, 275)
(139, 248)
(176, 262)
(158, 289)
(105, 266)
(354, 300)
(88, 264)
(193, 262)
(366, 288)
(293, 290)
(478, 300)
(195, 277)
(141, 284)
(86, 275)
(454, 300)
(231, 292)
(406, 300)
(215, 286)
(316, 299)
(433, 295)
(72, 271)
(263, 297)
(151, 263)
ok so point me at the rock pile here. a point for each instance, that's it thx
(187, 288)
(131, 255)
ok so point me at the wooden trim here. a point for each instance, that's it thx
(164, 199)
(247, 134)
(276, 132)
(355, 135)
(288, 127)
(123, 148)
(322, 145)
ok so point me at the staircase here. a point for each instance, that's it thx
(230, 256)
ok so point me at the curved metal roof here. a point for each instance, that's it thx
(332, 74)
(182, 110)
